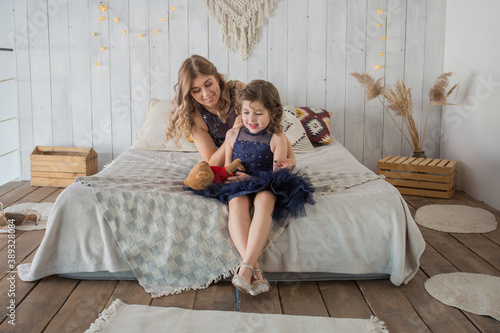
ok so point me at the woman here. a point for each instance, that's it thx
(204, 106)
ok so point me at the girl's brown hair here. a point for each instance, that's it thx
(266, 94)
(181, 118)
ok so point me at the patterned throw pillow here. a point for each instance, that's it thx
(316, 123)
(294, 131)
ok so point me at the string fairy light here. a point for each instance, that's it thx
(107, 12)
(379, 11)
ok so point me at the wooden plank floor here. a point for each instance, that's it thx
(56, 304)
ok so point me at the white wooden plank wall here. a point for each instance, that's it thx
(354, 112)
(9, 131)
(81, 129)
(120, 84)
(308, 50)
(395, 56)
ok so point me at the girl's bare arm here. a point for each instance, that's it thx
(229, 143)
(290, 156)
(231, 136)
(279, 147)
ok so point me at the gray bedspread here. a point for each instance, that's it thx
(366, 230)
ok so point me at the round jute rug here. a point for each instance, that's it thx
(43, 208)
(476, 293)
(456, 219)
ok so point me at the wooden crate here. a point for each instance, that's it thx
(59, 166)
(426, 177)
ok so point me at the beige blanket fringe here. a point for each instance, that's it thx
(241, 21)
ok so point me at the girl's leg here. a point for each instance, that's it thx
(239, 226)
(260, 226)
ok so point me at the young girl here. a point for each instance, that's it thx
(267, 184)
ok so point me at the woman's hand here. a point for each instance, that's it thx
(238, 122)
(236, 178)
(287, 163)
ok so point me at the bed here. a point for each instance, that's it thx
(361, 231)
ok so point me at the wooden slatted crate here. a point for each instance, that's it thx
(59, 166)
(426, 177)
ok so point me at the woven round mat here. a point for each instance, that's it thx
(456, 219)
(43, 208)
(476, 293)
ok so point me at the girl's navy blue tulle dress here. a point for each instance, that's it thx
(292, 191)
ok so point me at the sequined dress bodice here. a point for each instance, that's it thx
(216, 127)
(254, 150)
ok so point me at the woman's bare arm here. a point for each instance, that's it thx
(204, 142)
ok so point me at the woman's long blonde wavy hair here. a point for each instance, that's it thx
(181, 118)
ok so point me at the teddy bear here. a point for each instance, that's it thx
(203, 174)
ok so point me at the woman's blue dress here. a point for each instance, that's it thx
(292, 191)
(216, 127)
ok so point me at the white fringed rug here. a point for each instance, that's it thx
(43, 208)
(476, 293)
(456, 219)
(123, 318)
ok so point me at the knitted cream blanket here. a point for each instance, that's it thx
(241, 21)
(173, 239)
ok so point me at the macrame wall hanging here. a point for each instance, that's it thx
(241, 21)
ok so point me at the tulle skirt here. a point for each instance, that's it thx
(292, 192)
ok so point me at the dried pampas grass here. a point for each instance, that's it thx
(373, 88)
(438, 96)
(438, 91)
(399, 101)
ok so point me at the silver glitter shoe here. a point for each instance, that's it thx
(239, 282)
(259, 286)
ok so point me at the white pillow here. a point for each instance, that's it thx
(294, 131)
(152, 135)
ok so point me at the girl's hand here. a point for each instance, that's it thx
(238, 122)
(287, 163)
(237, 178)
